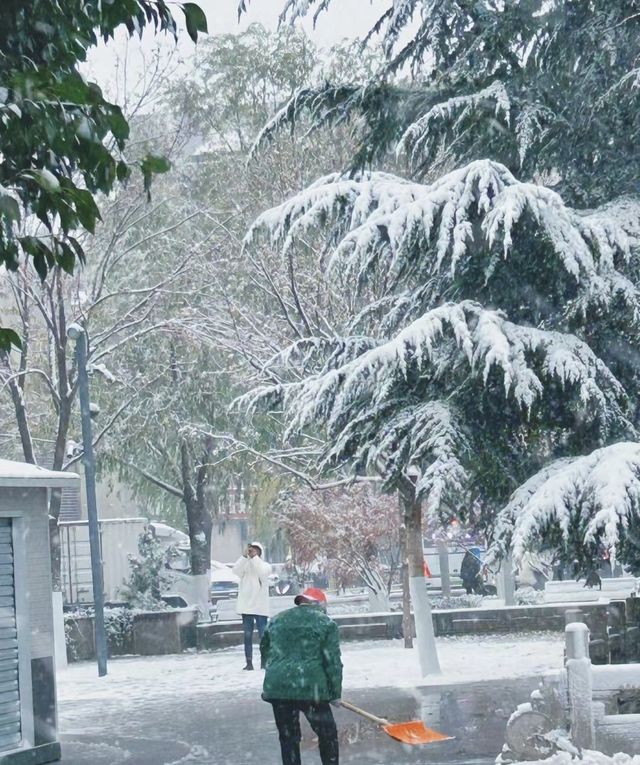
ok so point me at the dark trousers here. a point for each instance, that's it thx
(320, 717)
(247, 625)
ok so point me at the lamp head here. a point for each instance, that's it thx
(74, 331)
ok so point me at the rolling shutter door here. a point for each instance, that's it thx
(10, 728)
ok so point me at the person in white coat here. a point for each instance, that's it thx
(253, 595)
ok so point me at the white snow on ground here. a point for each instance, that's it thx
(589, 757)
(369, 664)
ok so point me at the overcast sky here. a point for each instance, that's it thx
(344, 19)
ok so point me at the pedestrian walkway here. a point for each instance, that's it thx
(202, 709)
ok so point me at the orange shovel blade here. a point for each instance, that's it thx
(414, 732)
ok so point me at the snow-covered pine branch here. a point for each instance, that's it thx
(317, 352)
(531, 126)
(484, 339)
(428, 437)
(589, 501)
(429, 235)
(376, 409)
(419, 139)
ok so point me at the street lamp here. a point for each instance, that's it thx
(77, 332)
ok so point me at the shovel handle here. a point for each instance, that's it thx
(363, 713)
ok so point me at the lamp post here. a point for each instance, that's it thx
(76, 332)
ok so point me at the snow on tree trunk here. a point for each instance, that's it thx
(200, 595)
(377, 591)
(200, 543)
(425, 635)
(379, 601)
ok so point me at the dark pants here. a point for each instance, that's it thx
(247, 626)
(320, 717)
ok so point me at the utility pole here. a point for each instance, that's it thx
(77, 332)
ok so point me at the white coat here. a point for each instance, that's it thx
(253, 589)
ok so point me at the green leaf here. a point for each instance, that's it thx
(43, 258)
(118, 125)
(123, 171)
(196, 20)
(77, 247)
(86, 209)
(153, 163)
(40, 264)
(65, 257)
(75, 90)
(9, 207)
(8, 338)
(45, 179)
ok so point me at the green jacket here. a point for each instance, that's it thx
(300, 650)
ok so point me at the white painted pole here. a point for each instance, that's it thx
(443, 559)
(507, 582)
(59, 642)
(425, 635)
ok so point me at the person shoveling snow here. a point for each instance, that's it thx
(300, 651)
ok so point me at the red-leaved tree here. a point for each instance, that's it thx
(355, 529)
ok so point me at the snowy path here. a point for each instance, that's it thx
(369, 664)
(202, 709)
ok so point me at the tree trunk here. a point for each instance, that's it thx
(55, 498)
(407, 625)
(20, 410)
(425, 636)
(200, 526)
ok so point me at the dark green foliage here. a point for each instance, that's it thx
(569, 72)
(546, 94)
(61, 141)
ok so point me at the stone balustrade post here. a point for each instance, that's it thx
(579, 685)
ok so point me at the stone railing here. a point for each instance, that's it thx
(614, 628)
(603, 702)
(582, 705)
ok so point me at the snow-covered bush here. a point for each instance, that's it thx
(453, 602)
(143, 588)
(355, 530)
(527, 596)
(118, 624)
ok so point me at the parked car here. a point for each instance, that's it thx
(224, 583)
(223, 591)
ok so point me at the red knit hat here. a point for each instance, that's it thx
(310, 595)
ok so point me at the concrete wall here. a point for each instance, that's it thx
(614, 628)
(151, 633)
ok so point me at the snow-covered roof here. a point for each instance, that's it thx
(23, 474)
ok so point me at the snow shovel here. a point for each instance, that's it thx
(413, 732)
